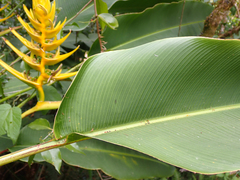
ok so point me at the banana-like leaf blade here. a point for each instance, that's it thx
(175, 99)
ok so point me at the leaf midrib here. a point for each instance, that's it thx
(144, 122)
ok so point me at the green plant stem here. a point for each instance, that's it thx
(31, 151)
(68, 21)
(8, 30)
(26, 100)
(18, 5)
(15, 94)
(75, 67)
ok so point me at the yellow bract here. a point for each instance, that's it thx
(44, 48)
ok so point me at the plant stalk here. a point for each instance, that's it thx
(68, 21)
(26, 100)
(18, 5)
(15, 94)
(31, 151)
(97, 24)
(8, 30)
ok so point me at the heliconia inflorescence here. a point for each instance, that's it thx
(45, 50)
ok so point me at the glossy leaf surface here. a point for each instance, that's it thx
(175, 99)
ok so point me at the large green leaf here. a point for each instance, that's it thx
(159, 22)
(175, 99)
(119, 162)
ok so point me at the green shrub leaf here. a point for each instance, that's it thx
(10, 121)
(40, 124)
(109, 20)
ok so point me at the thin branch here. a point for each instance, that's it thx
(99, 175)
(77, 67)
(26, 100)
(40, 174)
(18, 5)
(232, 31)
(8, 30)
(181, 18)
(21, 169)
(98, 30)
(68, 21)
(15, 94)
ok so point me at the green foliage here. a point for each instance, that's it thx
(39, 124)
(169, 102)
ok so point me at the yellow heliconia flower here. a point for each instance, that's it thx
(3, 19)
(44, 48)
(56, 58)
(44, 3)
(43, 11)
(49, 33)
(23, 77)
(25, 57)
